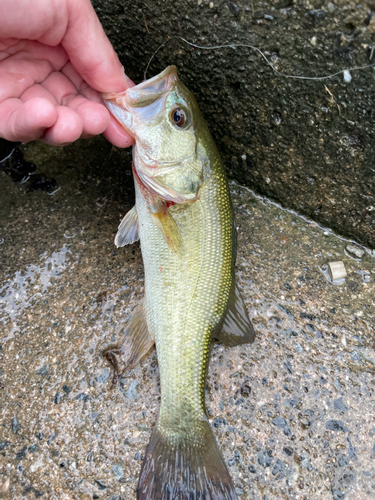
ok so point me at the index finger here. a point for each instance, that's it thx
(90, 50)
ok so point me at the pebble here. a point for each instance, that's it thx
(15, 425)
(118, 471)
(355, 251)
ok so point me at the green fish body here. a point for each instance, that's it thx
(183, 217)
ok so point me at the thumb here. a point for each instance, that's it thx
(90, 51)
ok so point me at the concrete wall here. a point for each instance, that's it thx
(307, 144)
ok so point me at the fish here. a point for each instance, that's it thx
(183, 217)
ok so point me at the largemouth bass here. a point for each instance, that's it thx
(183, 217)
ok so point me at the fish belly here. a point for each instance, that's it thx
(186, 295)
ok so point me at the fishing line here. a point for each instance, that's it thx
(235, 45)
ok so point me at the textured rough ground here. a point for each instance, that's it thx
(293, 413)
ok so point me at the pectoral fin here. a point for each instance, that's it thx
(237, 328)
(128, 229)
(168, 228)
(160, 215)
(136, 345)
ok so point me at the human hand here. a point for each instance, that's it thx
(55, 59)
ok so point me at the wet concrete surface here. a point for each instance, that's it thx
(293, 413)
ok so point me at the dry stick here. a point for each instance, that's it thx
(235, 45)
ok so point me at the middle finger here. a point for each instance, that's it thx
(95, 116)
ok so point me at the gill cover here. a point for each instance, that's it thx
(161, 114)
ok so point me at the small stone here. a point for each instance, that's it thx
(43, 371)
(265, 458)
(337, 270)
(288, 367)
(313, 41)
(218, 422)
(52, 437)
(100, 484)
(118, 471)
(336, 425)
(298, 347)
(305, 423)
(343, 460)
(234, 9)
(279, 468)
(131, 392)
(103, 377)
(355, 251)
(4, 487)
(83, 397)
(339, 405)
(15, 425)
(245, 389)
(280, 422)
(347, 76)
(21, 454)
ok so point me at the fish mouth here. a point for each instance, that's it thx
(150, 90)
(137, 99)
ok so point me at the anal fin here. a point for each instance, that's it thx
(237, 328)
(136, 345)
(128, 229)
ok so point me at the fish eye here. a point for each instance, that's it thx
(179, 117)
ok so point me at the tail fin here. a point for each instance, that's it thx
(186, 470)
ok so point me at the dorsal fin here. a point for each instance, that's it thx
(128, 229)
(237, 328)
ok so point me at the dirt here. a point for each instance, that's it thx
(292, 413)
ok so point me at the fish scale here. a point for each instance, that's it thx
(184, 219)
(198, 280)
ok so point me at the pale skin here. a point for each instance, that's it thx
(55, 60)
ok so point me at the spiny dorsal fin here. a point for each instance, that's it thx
(237, 328)
(138, 341)
(128, 229)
